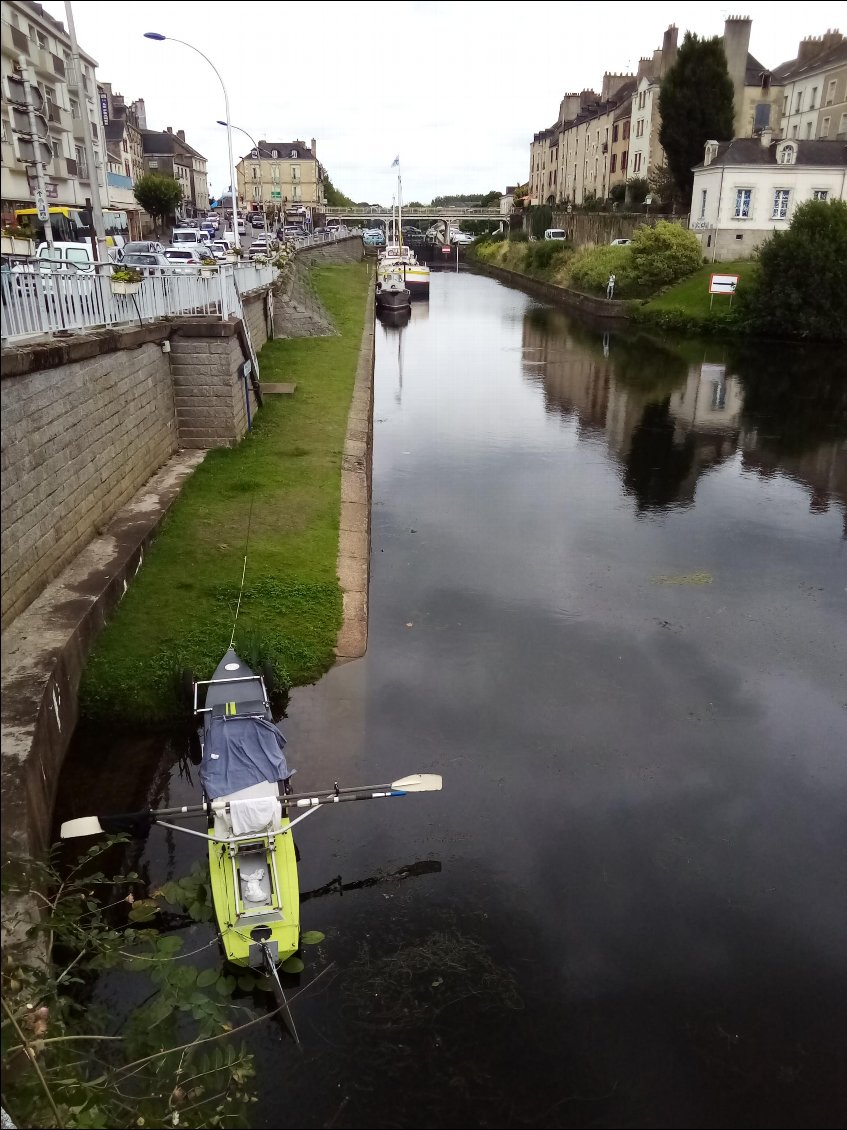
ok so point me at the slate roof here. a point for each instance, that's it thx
(284, 148)
(827, 60)
(750, 151)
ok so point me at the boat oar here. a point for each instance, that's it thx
(129, 821)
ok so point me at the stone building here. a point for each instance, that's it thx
(170, 154)
(284, 175)
(814, 89)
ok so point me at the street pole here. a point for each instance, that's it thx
(39, 165)
(155, 35)
(98, 240)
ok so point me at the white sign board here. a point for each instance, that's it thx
(723, 284)
(41, 206)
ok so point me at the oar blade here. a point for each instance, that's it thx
(418, 783)
(82, 826)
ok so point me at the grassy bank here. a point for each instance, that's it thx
(179, 611)
(684, 306)
(546, 261)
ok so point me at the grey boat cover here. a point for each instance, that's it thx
(239, 752)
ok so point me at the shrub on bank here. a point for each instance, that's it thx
(590, 268)
(518, 236)
(663, 254)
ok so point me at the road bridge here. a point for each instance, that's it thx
(442, 216)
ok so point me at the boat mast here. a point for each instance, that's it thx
(400, 211)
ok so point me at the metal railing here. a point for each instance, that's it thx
(43, 298)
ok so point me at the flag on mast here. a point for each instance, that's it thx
(396, 162)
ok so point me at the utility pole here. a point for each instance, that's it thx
(98, 242)
(41, 205)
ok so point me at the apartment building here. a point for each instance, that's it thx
(32, 36)
(814, 89)
(168, 153)
(283, 174)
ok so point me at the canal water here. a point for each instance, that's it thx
(607, 603)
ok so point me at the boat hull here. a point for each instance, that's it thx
(393, 299)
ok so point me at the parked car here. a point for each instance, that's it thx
(184, 258)
(148, 262)
(461, 237)
(373, 237)
(620, 242)
(66, 255)
(555, 233)
(261, 246)
(219, 249)
(257, 220)
(142, 246)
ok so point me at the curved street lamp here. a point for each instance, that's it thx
(158, 37)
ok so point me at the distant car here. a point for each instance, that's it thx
(140, 246)
(219, 249)
(620, 242)
(461, 237)
(556, 233)
(188, 236)
(184, 258)
(257, 220)
(260, 246)
(242, 227)
(373, 237)
(148, 262)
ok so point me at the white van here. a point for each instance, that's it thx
(190, 235)
(555, 233)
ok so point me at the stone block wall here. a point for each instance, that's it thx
(591, 228)
(77, 442)
(209, 394)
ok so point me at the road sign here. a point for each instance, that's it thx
(723, 284)
(41, 206)
(276, 195)
(32, 151)
(16, 90)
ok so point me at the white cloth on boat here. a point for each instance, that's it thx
(252, 889)
(252, 814)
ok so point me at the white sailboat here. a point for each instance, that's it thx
(397, 256)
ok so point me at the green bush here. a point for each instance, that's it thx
(801, 287)
(591, 266)
(663, 254)
(518, 236)
(541, 255)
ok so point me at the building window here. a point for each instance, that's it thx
(254, 170)
(795, 130)
(614, 133)
(626, 131)
(787, 154)
(830, 91)
(295, 192)
(785, 106)
(293, 154)
(743, 198)
(274, 153)
(780, 204)
(820, 194)
(809, 127)
(842, 124)
(813, 98)
(798, 102)
(275, 173)
(703, 195)
(257, 192)
(613, 167)
(295, 172)
(624, 157)
(42, 41)
(74, 108)
(762, 118)
(825, 127)
(636, 168)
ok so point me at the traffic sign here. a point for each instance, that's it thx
(723, 284)
(41, 206)
(276, 195)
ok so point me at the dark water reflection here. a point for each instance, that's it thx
(608, 604)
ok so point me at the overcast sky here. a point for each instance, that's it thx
(479, 78)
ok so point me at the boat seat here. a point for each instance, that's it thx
(223, 823)
(238, 709)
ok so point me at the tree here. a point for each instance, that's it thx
(801, 286)
(696, 105)
(159, 196)
(334, 197)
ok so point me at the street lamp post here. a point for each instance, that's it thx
(234, 187)
(259, 150)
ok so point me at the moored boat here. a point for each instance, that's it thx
(391, 290)
(415, 274)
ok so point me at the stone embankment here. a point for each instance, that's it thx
(86, 423)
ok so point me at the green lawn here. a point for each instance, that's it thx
(691, 295)
(178, 612)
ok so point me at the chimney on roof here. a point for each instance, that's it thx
(814, 45)
(314, 148)
(669, 49)
(736, 45)
(169, 129)
(181, 134)
(612, 84)
(766, 137)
